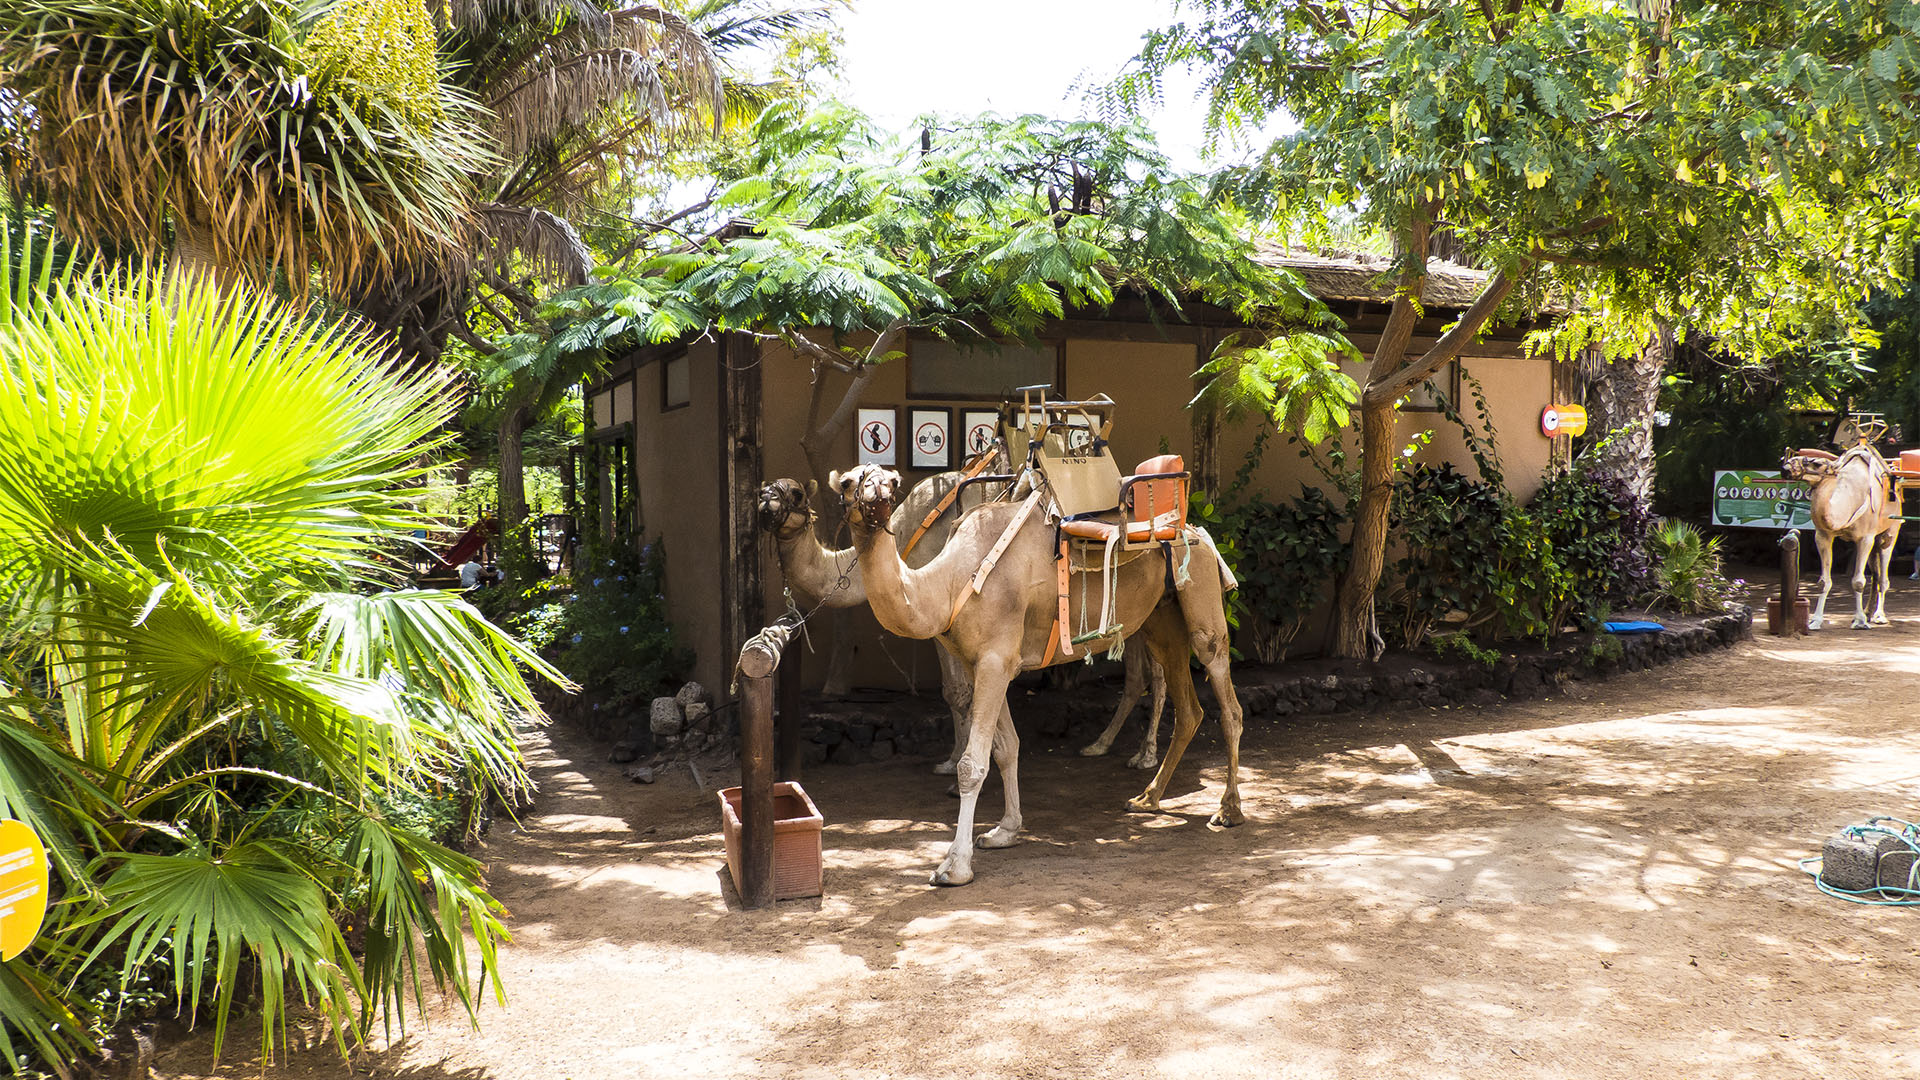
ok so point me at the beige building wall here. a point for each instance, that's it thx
(677, 462)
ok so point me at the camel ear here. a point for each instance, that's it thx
(813, 486)
(833, 479)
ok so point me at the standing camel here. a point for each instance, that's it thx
(831, 578)
(1008, 627)
(1852, 501)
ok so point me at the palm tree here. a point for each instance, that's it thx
(245, 136)
(210, 707)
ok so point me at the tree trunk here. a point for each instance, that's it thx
(1353, 604)
(194, 261)
(513, 493)
(1621, 404)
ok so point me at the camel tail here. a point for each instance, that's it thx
(1228, 582)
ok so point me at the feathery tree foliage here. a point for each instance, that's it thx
(1747, 169)
(208, 710)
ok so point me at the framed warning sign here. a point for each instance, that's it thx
(877, 435)
(977, 430)
(931, 432)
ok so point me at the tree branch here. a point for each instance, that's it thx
(1448, 347)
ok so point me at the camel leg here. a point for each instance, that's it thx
(957, 689)
(1006, 757)
(1823, 541)
(1136, 685)
(991, 674)
(1862, 549)
(1884, 556)
(1164, 635)
(1204, 612)
(1149, 753)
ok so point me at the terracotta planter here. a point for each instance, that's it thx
(1802, 611)
(797, 866)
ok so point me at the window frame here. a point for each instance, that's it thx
(1059, 381)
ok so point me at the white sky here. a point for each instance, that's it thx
(908, 57)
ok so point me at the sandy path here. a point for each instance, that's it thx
(1596, 885)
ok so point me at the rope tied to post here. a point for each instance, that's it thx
(764, 650)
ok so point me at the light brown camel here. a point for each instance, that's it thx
(1008, 627)
(831, 578)
(1851, 501)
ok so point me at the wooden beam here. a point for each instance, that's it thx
(742, 597)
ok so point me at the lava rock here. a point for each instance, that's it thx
(639, 774)
(665, 718)
(1896, 863)
(696, 712)
(845, 754)
(623, 752)
(881, 750)
(1850, 863)
(693, 693)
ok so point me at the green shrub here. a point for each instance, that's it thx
(1687, 570)
(610, 633)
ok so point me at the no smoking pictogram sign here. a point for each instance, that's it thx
(874, 436)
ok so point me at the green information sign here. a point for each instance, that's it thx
(1761, 499)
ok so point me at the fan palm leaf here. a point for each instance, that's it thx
(194, 588)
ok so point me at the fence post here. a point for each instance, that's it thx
(1789, 583)
(759, 660)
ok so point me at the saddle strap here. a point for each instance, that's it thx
(1060, 618)
(979, 578)
(945, 503)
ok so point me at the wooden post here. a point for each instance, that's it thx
(1789, 583)
(759, 659)
(791, 713)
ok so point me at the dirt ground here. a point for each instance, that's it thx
(1599, 884)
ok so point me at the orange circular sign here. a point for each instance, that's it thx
(23, 888)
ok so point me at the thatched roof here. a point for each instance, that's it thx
(1349, 276)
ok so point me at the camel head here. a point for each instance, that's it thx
(783, 506)
(1798, 466)
(866, 494)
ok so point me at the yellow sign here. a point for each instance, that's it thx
(1563, 420)
(23, 888)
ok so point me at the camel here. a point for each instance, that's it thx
(1851, 500)
(1008, 626)
(816, 575)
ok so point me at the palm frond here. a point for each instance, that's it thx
(547, 241)
(248, 901)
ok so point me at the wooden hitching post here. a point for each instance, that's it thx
(759, 659)
(1789, 583)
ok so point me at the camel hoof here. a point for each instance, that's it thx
(1815, 624)
(1143, 761)
(1094, 749)
(1228, 816)
(1882, 620)
(998, 837)
(946, 768)
(1144, 804)
(1860, 624)
(952, 874)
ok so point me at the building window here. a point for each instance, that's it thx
(1429, 395)
(676, 382)
(986, 372)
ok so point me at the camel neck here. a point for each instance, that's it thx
(814, 571)
(895, 589)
